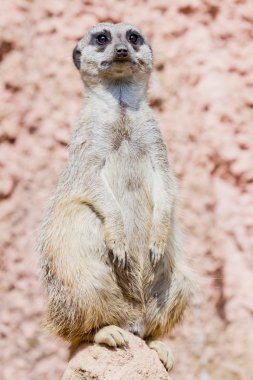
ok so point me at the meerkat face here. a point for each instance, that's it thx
(113, 51)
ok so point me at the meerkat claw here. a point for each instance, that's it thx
(156, 253)
(119, 256)
(154, 256)
(121, 263)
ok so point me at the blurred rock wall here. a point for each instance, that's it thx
(202, 91)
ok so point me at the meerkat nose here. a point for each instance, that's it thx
(121, 50)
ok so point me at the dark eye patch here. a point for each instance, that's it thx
(134, 38)
(77, 57)
(101, 39)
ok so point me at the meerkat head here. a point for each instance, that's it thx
(113, 51)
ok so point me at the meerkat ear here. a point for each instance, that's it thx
(76, 57)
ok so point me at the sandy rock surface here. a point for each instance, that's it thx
(135, 362)
(202, 91)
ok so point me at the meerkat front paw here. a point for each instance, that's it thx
(119, 253)
(164, 353)
(111, 335)
(116, 243)
(156, 250)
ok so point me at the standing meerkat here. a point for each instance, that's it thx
(110, 243)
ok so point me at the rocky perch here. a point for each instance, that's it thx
(135, 362)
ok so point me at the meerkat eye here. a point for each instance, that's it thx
(133, 38)
(102, 39)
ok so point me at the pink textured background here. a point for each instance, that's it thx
(203, 94)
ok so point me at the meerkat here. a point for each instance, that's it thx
(109, 245)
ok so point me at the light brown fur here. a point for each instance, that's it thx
(110, 242)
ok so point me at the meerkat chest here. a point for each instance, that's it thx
(129, 145)
(123, 137)
(127, 160)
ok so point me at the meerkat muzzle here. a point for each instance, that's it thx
(121, 51)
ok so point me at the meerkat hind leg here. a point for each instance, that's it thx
(112, 336)
(164, 353)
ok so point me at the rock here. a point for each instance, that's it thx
(135, 362)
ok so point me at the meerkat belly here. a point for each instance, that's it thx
(129, 179)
